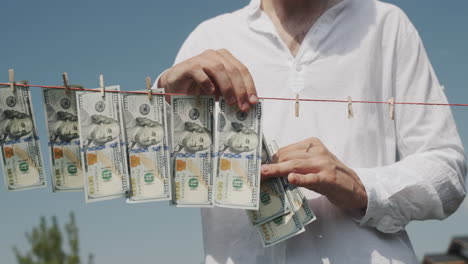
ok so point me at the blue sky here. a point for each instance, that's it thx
(128, 40)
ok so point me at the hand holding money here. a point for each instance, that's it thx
(283, 210)
(311, 165)
(215, 72)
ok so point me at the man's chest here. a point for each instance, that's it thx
(321, 76)
(330, 72)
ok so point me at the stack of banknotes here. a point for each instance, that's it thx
(193, 152)
(283, 211)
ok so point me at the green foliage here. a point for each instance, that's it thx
(47, 244)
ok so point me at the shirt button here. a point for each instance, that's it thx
(298, 68)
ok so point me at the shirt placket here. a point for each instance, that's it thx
(295, 81)
(307, 54)
(308, 51)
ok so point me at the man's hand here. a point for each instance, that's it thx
(309, 164)
(213, 72)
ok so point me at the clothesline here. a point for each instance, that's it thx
(263, 98)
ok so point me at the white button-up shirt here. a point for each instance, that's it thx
(413, 168)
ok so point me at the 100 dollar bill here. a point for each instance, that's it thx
(273, 199)
(20, 151)
(292, 223)
(102, 143)
(193, 142)
(147, 144)
(64, 139)
(297, 200)
(280, 229)
(299, 203)
(237, 182)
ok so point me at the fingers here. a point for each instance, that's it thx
(292, 155)
(215, 72)
(201, 80)
(292, 166)
(251, 91)
(316, 154)
(310, 180)
(237, 80)
(184, 77)
(302, 145)
(307, 145)
(216, 68)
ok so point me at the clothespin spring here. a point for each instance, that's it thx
(65, 82)
(11, 76)
(391, 102)
(101, 85)
(350, 108)
(297, 105)
(148, 87)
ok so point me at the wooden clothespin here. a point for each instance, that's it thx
(148, 87)
(11, 76)
(101, 85)
(297, 105)
(350, 108)
(391, 102)
(65, 82)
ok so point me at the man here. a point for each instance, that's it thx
(366, 177)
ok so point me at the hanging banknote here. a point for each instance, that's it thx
(237, 182)
(64, 139)
(148, 149)
(193, 150)
(273, 199)
(102, 145)
(20, 150)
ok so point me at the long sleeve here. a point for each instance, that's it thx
(428, 180)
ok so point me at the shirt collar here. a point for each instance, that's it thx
(254, 15)
(257, 19)
(253, 8)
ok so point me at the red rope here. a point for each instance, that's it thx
(264, 98)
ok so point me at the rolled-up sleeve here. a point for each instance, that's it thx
(428, 181)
